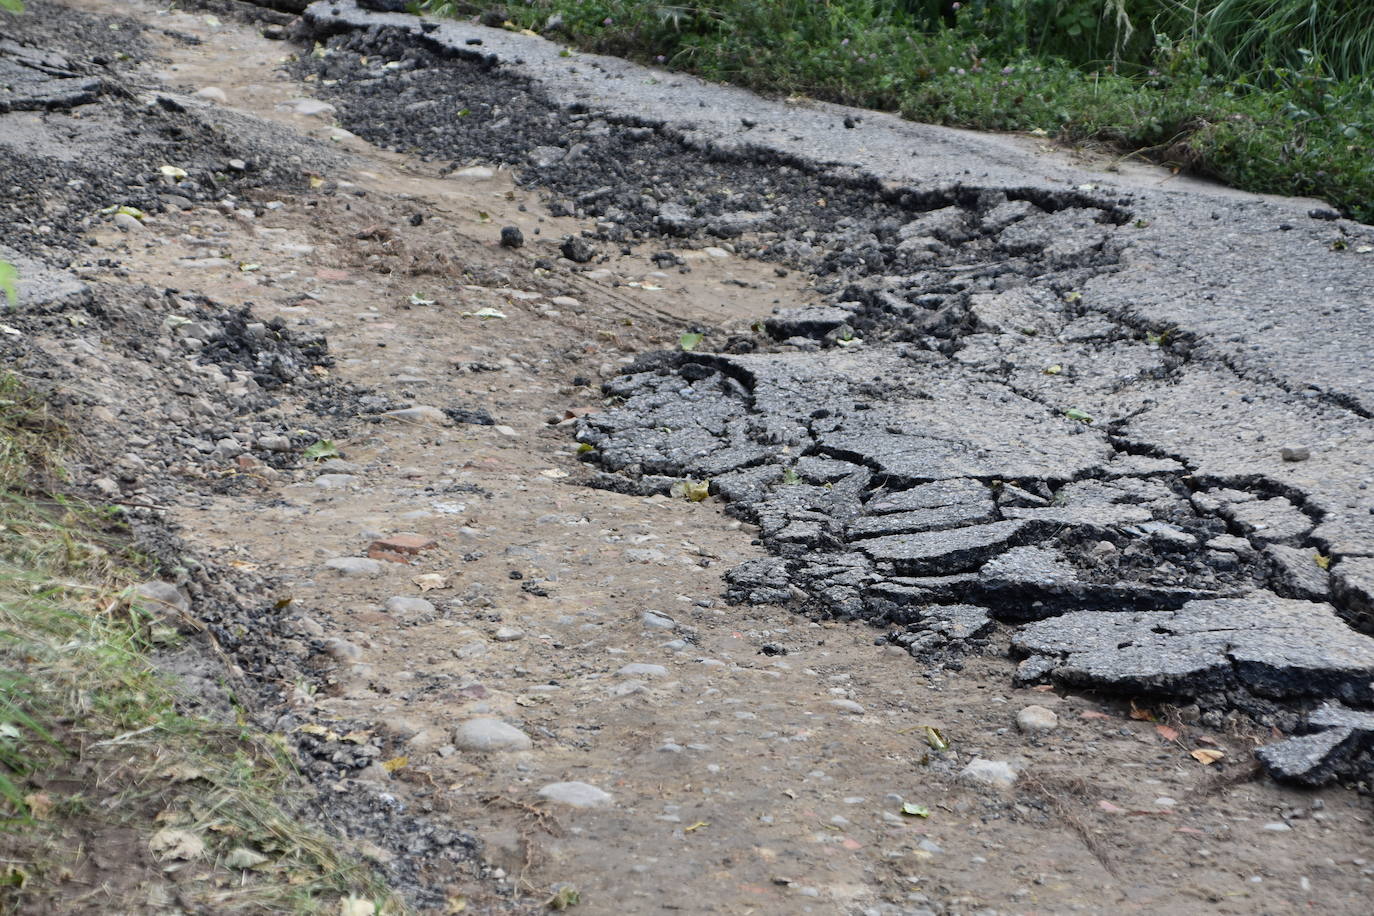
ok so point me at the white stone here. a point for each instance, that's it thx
(402, 605)
(335, 481)
(997, 773)
(640, 669)
(848, 706)
(127, 223)
(420, 413)
(355, 567)
(1037, 719)
(508, 634)
(576, 795)
(213, 93)
(658, 621)
(489, 735)
(475, 173)
(313, 108)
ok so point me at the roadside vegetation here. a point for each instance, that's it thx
(1270, 96)
(109, 794)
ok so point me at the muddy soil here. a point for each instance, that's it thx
(504, 680)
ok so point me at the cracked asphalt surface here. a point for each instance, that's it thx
(1136, 417)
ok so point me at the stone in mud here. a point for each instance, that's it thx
(512, 237)
(161, 599)
(355, 567)
(487, 734)
(996, 774)
(577, 249)
(1276, 648)
(759, 581)
(577, 795)
(1037, 719)
(405, 605)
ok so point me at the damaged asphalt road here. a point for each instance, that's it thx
(1131, 425)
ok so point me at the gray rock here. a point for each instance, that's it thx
(508, 634)
(355, 567)
(657, 621)
(1295, 453)
(995, 773)
(421, 413)
(577, 249)
(848, 706)
(640, 669)
(162, 600)
(1034, 719)
(576, 795)
(406, 605)
(486, 734)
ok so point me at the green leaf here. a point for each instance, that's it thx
(913, 810)
(12, 6)
(9, 279)
(935, 739)
(321, 450)
(790, 477)
(690, 340)
(1073, 413)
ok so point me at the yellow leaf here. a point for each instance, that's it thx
(430, 581)
(316, 181)
(319, 730)
(358, 737)
(395, 763)
(40, 805)
(1206, 757)
(1323, 561)
(697, 826)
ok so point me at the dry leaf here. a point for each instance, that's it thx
(1094, 714)
(395, 763)
(430, 581)
(40, 805)
(1110, 808)
(697, 826)
(1206, 757)
(169, 843)
(1167, 733)
(1141, 715)
(356, 906)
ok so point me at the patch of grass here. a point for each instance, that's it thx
(95, 756)
(1269, 116)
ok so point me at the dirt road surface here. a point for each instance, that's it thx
(538, 682)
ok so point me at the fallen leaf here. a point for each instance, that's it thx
(689, 341)
(1167, 733)
(553, 473)
(416, 299)
(1110, 808)
(1141, 715)
(243, 857)
(564, 897)
(485, 313)
(183, 772)
(395, 763)
(695, 490)
(1206, 757)
(935, 739)
(173, 172)
(169, 843)
(1094, 714)
(358, 737)
(40, 805)
(1043, 688)
(356, 906)
(697, 826)
(1073, 413)
(914, 810)
(430, 581)
(322, 449)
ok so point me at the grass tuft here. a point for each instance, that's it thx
(1272, 96)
